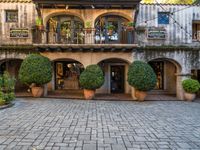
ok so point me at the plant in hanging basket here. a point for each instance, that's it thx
(39, 23)
(110, 29)
(130, 26)
(88, 27)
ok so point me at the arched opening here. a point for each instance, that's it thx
(115, 73)
(65, 80)
(65, 29)
(12, 66)
(167, 71)
(112, 28)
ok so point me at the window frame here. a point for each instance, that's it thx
(159, 17)
(11, 11)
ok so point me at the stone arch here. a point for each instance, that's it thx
(129, 18)
(172, 80)
(126, 57)
(10, 56)
(57, 13)
(115, 75)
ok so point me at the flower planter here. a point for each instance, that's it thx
(140, 95)
(189, 96)
(88, 30)
(89, 94)
(110, 32)
(129, 28)
(37, 91)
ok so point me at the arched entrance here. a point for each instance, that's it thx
(67, 72)
(111, 29)
(65, 29)
(167, 71)
(115, 72)
(65, 79)
(12, 66)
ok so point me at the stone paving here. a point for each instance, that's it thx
(100, 125)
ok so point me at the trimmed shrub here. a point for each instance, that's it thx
(141, 76)
(35, 69)
(92, 77)
(191, 85)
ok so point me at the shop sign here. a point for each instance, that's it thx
(19, 32)
(156, 33)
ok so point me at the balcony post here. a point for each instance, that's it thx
(89, 36)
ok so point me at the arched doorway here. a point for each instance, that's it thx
(167, 71)
(67, 72)
(65, 29)
(12, 66)
(111, 29)
(115, 72)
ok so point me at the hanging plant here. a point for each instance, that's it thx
(110, 29)
(39, 23)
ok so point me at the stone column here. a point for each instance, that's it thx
(89, 36)
(179, 88)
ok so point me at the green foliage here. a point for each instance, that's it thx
(7, 84)
(191, 85)
(141, 76)
(38, 21)
(130, 24)
(110, 27)
(92, 77)
(88, 24)
(2, 102)
(35, 69)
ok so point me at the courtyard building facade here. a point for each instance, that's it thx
(75, 34)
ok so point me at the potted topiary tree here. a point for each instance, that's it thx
(190, 87)
(35, 71)
(142, 77)
(91, 79)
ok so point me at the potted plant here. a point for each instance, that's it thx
(130, 26)
(110, 29)
(88, 27)
(39, 23)
(7, 85)
(190, 87)
(35, 71)
(91, 79)
(142, 77)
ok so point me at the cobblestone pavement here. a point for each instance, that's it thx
(100, 125)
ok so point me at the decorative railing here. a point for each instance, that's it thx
(82, 37)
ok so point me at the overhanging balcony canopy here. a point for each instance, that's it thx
(87, 4)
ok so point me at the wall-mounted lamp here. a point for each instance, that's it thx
(92, 6)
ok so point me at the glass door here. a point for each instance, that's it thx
(117, 79)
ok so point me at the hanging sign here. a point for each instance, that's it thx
(155, 33)
(19, 32)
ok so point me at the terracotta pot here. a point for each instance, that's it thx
(37, 91)
(140, 95)
(189, 96)
(129, 28)
(89, 94)
(110, 32)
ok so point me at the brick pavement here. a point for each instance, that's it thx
(100, 125)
